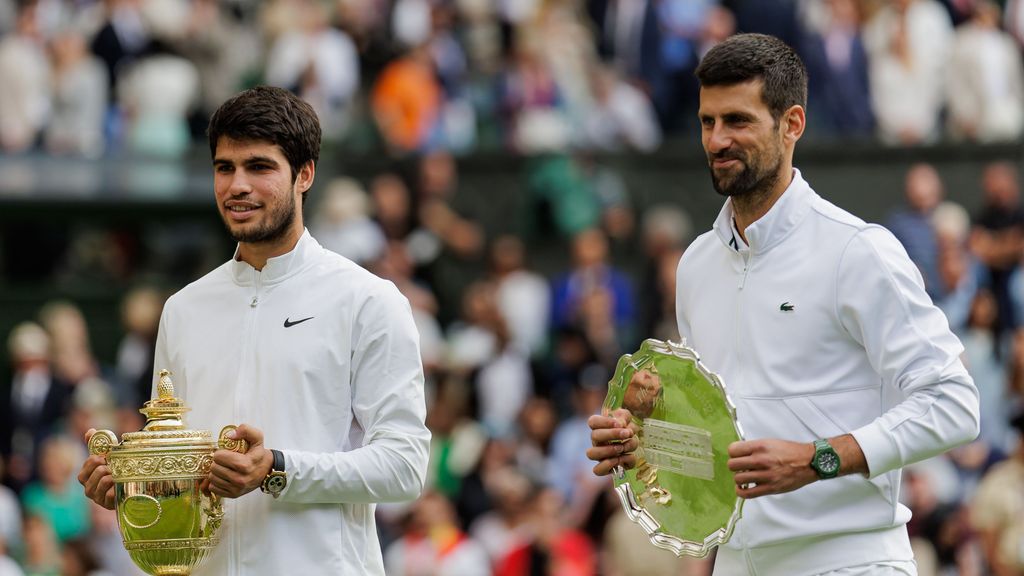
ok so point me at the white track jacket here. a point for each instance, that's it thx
(821, 327)
(323, 357)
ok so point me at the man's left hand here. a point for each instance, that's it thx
(768, 466)
(233, 474)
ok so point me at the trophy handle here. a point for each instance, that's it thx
(225, 443)
(101, 442)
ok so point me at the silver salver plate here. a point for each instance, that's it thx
(681, 491)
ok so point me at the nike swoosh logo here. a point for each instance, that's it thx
(288, 323)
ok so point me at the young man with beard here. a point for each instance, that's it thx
(317, 357)
(841, 368)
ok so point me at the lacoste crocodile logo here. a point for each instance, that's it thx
(288, 323)
(786, 307)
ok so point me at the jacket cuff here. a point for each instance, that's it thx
(879, 448)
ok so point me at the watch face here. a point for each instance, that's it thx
(276, 484)
(828, 462)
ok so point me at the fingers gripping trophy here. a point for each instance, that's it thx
(679, 488)
(167, 522)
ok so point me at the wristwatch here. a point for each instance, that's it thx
(277, 478)
(826, 460)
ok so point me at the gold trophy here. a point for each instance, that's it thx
(167, 523)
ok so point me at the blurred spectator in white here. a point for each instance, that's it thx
(42, 550)
(140, 317)
(38, 399)
(504, 528)
(481, 33)
(621, 116)
(73, 360)
(481, 344)
(912, 223)
(79, 98)
(8, 567)
(342, 222)
(157, 94)
(25, 92)
(407, 102)
(57, 497)
(524, 297)
(837, 65)
(986, 80)
(537, 422)
(554, 548)
(434, 545)
(997, 512)
(909, 43)
(997, 238)
(319, 63)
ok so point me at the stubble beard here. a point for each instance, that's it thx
(274, 228)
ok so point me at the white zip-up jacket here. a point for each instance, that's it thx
(821, 327)
(323, 357)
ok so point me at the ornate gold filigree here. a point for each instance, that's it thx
(172, 544)
(161, 466)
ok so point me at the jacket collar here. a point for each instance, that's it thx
(277, 268)
(787, 213)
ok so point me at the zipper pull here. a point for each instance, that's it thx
(255, 300)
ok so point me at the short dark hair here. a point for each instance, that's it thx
(273, 115)
(745, 57)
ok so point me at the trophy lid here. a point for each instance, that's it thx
(165, 421)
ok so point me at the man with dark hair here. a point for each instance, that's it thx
(318, 355)
(841, 368)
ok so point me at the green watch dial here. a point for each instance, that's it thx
(826, 461)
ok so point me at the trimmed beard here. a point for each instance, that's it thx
(753, 180)
(280, 220)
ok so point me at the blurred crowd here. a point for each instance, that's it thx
(93, 77)
(515, 358)
(515, 361)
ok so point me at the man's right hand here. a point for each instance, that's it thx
(613, 439)
(96, 478)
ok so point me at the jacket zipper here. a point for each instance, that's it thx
(235, 558)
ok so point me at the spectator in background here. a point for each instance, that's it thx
(621, 116)
(407, 101)
(343, 224)
(997, 238)
(837, 67)
(912, 223)
(908, 44)
(985, 362)
(985, 85)
(595, 297)
(997, 512)
(666, 229)
(523, 296)
(553, 548)
(530, 101)
(42, 551)
(25, 92)
(504, 527)
(140, 318)
(56, 497)
(123, 37)
(434, 544)
(79, 98)
(157, 93)
(319, 63)
(629, 36)
(38, 400)
(10, 518)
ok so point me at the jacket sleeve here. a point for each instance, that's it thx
(882, 304)
(387, 404)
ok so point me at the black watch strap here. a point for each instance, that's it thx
(278, 465)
